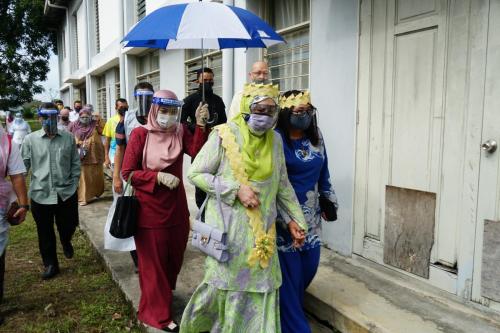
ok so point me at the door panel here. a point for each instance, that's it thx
(416, 122)
(489, 175)
(412, 135)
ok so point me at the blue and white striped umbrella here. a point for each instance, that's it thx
(201, 25)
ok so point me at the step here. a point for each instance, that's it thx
(354, 295)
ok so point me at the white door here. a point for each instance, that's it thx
(414, 112)
(489, 172)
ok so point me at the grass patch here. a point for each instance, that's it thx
(83, 298)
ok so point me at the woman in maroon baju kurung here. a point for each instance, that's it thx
(153, 151)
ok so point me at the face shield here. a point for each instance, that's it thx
(144, 98)
(18, 119)
(49, 120)
(169, 113)
(269, 108)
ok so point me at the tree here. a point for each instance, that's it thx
(25, 44)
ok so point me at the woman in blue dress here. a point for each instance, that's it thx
(307, 167)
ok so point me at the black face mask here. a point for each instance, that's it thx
(208, 87)
(122, 111)
(64, 118)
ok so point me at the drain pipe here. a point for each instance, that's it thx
(228, 71)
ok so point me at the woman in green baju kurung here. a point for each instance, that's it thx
(241, 295)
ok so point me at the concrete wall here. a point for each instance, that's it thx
(334, 31)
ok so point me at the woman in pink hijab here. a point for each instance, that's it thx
(155, 156)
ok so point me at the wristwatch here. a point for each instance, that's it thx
(27, 207)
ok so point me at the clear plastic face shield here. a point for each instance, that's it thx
(264, 105)
(143, 98)
(18, 119)
(49, 119)
(169, 114)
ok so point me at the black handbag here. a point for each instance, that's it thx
(124, 223)
(328, 208)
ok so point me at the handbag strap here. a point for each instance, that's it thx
(128, 184)
(219, 203)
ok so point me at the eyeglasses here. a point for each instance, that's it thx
(261, 73)
(300, 111)
(269, 110)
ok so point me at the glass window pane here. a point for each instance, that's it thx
(286, 13)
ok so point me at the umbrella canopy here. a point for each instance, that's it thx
(201, 25)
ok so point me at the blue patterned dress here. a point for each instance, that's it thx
(307, 167)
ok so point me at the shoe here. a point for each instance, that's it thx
(172, 327)
(50, 272)
(83, 203)
(68, 250)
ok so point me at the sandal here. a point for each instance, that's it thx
(172, 327)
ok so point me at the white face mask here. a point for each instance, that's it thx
(166, 120)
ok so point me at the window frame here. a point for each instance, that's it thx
(139, 14)
(102, 96)
(301, 26)
(97, 31)
(150, 75)
(208, 58)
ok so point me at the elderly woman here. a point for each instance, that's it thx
(91, 149)
(244, 159)
(153, 162)
(307, 167)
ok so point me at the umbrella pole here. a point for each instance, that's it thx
(202, 73)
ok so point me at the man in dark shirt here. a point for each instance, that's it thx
(216, 109)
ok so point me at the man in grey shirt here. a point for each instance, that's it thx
(53, 159)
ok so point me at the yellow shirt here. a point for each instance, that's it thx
(109, 132)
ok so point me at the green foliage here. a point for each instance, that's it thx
(25, 44)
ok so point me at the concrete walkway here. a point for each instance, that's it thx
(92, 221)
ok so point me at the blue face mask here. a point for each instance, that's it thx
(260, 123)
(301, 122)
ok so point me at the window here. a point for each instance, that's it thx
(141, 9)
(117, 83)
(102, 96)
(63, 43)
(79, 93)
(148, 69)
(213, 59)
(75, 41)
(97, 34)
(289, 63)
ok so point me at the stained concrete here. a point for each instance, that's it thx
(357, 296)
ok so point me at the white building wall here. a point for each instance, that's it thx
(333, 80)
(109, 28)
(172, 71)
(333, 40)
(64, 57)
(82, 36)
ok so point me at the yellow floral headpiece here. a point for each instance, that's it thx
(260, 89)
(295, 100)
